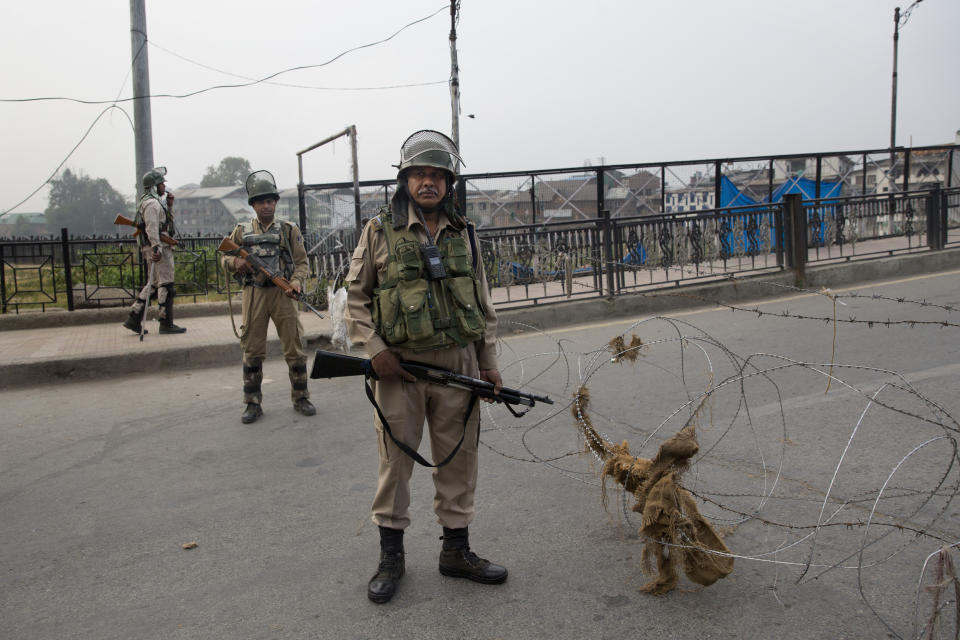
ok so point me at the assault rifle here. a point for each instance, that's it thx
(328, 364)
(229, 245)
(164, 238)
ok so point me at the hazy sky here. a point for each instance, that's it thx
(551, 84)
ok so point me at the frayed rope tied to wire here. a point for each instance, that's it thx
(676, 534)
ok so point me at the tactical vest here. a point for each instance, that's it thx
(166, 225)
(271, 246)
(412, 312)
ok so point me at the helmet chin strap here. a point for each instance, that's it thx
(152, 193)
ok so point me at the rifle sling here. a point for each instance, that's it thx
(410, 451)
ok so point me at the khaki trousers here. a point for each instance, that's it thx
(260, 305)
(159, 274)
(406, 405)
(163, 270)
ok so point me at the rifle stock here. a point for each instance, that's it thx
(165, 238)
(328, 364)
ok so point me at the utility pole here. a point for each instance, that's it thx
(454, 76)
(143, 130)
(899, 20)
(893, 93)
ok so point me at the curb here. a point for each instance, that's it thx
(62, 318)
(543, 317)
(78, 369)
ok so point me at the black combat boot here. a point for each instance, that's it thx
(457, 561)
(383, 584)
(167, 326)
(166, 322)
(133, 322)
(251, 414)
(304, 407)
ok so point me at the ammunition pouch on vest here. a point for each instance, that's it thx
(412, 312)
(273, 247)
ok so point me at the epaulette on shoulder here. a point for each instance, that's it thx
(384, 215)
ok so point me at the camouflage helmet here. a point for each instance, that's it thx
(259, 184)
(154, 177)
(429, 148)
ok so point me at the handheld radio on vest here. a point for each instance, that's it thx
(433, 261)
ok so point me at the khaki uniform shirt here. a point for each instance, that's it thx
(153, 216)
(368, 266)
(297, 251)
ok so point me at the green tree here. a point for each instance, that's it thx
(231, 172)
(84, 205)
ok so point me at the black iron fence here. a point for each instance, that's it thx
(541, 263)
(506, 199)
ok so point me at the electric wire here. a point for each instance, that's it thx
(64, 161)
(234, 86)
(292, 85)
(113, 103)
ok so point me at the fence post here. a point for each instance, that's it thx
(67, 268)
(779, 226)
(717, 184)
(944, 222)
(796, 223)
(533, 200)
(606, 257)
(935, 232)
(3, 281)
(301, 207)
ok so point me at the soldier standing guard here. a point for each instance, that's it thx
(155, 217)
(417, 291)
(280, 246)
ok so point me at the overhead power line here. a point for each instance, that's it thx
(245, 84)
(64, 161)
(113, 103)
(290, 84)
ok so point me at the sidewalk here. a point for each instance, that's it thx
(73, 351)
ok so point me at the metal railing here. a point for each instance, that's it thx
(511, 198)
(533, 264)
(681, 248)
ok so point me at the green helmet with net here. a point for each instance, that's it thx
(429, 148)
(261, 184)
(154, 177)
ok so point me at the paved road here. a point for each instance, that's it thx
(101, 483)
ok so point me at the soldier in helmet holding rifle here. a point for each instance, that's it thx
(155, 217)
(417, 291)
(280, 246)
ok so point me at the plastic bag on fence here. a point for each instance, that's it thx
(337, 307)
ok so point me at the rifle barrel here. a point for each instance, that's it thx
(328, 364)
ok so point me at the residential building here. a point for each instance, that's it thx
(210, 210)
(23, 225)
